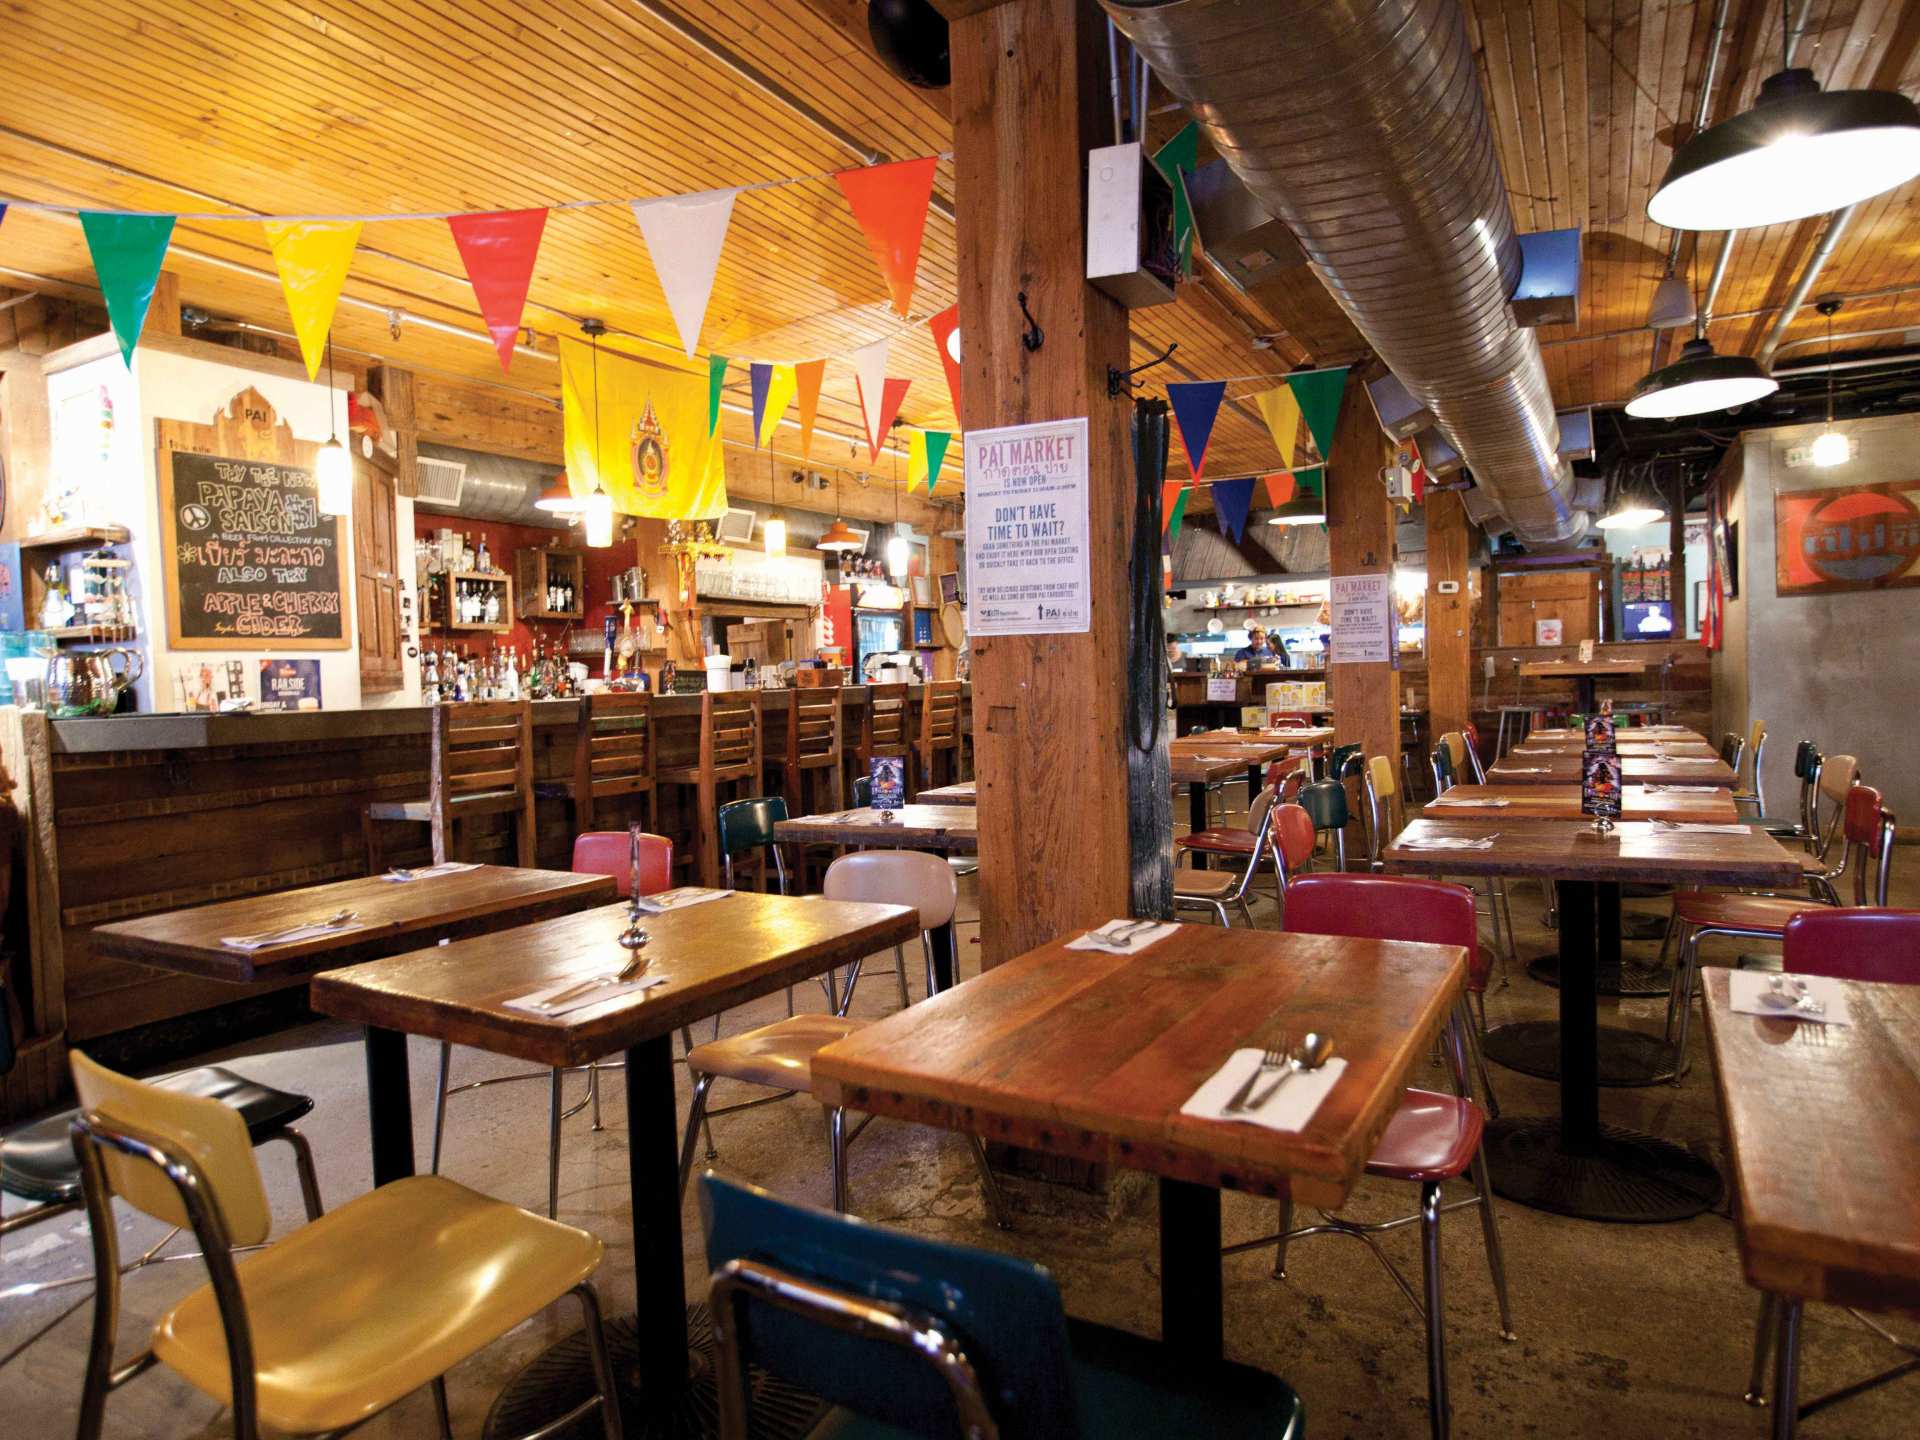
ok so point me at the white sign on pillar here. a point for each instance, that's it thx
(1360, 609)
(1027, 522)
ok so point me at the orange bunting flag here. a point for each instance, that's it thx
(807, 379)
(1280, 489)
(890, 202)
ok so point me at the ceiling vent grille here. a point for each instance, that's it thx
(440, 481)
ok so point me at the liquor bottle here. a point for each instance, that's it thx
(485, 563)
(430, 678)
(493, 605)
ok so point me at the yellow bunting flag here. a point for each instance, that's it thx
(312, 257)
(1282, 414)
(651, 447)
(916, 458)
(779, 395)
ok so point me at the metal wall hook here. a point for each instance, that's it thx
(1033, 337)
(1118, 380)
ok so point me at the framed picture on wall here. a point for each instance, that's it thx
(950, 588)
(1849, 537)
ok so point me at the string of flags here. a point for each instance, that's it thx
(1300, 413)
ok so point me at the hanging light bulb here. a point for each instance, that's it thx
(597, 518)
(1632, 508)
(775, 531)
(1830, 447)
(897, 551)
(333, 467)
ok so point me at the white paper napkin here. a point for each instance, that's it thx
(451, 867)
(270, 939)
(1700, 827)
(1470, 801)
(598, 995)
(1526, 769)
(1449, 842)
(665, 900)
(1749, 992)
(1132, 944)
(1290, 1109)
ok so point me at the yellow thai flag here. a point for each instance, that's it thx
(651, 448)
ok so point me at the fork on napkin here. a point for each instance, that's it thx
(1124, 937)
(1450, 842)
(680, 899)
(398, 876)
(1699, 827)
(553, 1001)
(1291, 1107)
(292, 934)
(1818, 998)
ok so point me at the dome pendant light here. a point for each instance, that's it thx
(838, 536)
(1305, 508)
(1634, 506)
(332, 467)
(1799, 151)
(1830, 447)
(1699, 381)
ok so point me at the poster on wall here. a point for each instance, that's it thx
(1853, 537)
(1360, 612)
(1027, 520)
(289, 684)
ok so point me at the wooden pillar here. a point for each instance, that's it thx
(1450, 615)
(163, 311)
(1677, 582)
(1360, 528)
(1029, 100)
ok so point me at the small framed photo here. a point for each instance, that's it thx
(950, 588)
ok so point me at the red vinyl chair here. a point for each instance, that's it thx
(1868, 826)
(1868, 943)
(609, 852)
(1432, 1137)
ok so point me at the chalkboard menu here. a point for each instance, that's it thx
(252, 562)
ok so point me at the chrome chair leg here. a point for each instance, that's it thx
(610, 1421)
(593, 1096)
(1490, 1232)
(1479, 1059)
(1440, 1418)
(440, 1102)
(1246, 912)
(696, 1117)
(837, 1145)
(1786, 1372)
(1280, 1245)
(900, 972)
(1756, 1393)
(989, 1185)
(556, 1105)
(303, 1167)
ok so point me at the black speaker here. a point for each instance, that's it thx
(911, 38)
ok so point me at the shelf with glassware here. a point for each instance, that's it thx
(73, 586)
(551, 583)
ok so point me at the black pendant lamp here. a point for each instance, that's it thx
(1699, 382)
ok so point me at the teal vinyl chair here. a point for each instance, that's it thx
(1326, 802)
(906, 1336)
(746, 831)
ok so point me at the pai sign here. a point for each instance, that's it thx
(1855, 537)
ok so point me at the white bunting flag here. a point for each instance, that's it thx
(684, 235)
(870, 371)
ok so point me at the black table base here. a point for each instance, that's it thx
(1622, 1057)
(1621, 1176)
(561, 1377)
(1629, 981)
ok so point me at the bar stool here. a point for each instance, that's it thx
(885, 732)
(780, 1056)
(612, 756)
(482, 764)
(940, 732)
(730, 752)
(808, 726)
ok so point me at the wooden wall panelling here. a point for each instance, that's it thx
(1571, 596)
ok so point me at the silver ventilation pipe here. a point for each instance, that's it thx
(1360, 123)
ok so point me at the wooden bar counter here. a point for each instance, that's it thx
(135, 814)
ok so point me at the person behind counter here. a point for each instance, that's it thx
(1258, 650)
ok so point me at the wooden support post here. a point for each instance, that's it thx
(163, 311)
(1449, 616)
(1677, 583)
(1360, 526)
(1049, 711)
(393, 388)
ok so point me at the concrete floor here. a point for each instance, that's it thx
(1624, 1331)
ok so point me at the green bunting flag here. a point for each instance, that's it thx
(1319, 393)
(937, 442)
(1177, 514)
(1181, 153)
(127, 251)
(716, 378)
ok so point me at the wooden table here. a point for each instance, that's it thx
(1574, 1165)
(394, 916)
(1634, 770)
(1823, 1132)
(1256, 752)
(1198, 772)
(1582, 673)
(965, 793)
(1089, 1055)
(1567, 734)
(1628, 746)
(715, 956)
(1562, 802)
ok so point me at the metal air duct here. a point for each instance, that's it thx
(1360, 123)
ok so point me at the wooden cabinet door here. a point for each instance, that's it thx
(1569, 596)
(376, 557)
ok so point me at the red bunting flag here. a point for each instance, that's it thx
(946, 339)
(890, 202)
(498, 250)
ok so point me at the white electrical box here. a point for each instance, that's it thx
(1130, 249)
(1399, 482)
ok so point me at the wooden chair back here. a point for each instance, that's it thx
(482, 764)
(730, 735)
(816, 728)
(940, 716)
(884, 726)
(613, 750)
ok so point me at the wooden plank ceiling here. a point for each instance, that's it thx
(303, 106)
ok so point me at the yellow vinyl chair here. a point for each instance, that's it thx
(327, 1327)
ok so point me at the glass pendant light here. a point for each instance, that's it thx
(775, 530)
(333, 467)
(898, 554)
(1799, 151)
(596, 511)
(1830, 447)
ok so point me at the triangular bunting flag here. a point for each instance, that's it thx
(807, 379)
(916, 458)
(498, 250)
(1319, 395)
(890, 202)
(716, 382)
(1169, 493)
(778, 396)
(3, 217)
(1280, 489)
(127, 251)
(312, 257)
(1282, 413)
(1231, 501)
(879, 397)
(946, 339)
(1177, 512)
(1178, 155)
(760, 377)
(1311, 480)
(937, 443)
(1196, 405)
(684, 235)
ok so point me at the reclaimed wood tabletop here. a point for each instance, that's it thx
(1634, 770)
(1823, 1133)
(390, 916)
(954, 828)
(1633, 852)
(1203, 770)
(1566, 733)
(1091, 1055)
(1562, 802)
(1629, 747)
(1549, 668)
(964, 793)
